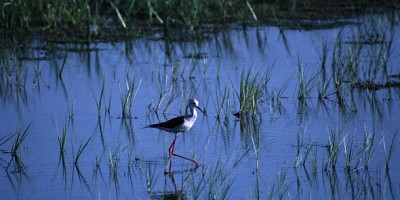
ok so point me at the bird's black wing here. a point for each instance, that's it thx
(172, 123)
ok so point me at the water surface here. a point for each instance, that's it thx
(60, 88)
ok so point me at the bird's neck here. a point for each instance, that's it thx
(193, 113)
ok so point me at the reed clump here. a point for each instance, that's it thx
(252, 89)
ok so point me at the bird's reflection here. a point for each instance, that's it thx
(176, 193)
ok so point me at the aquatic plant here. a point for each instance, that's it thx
(151, 177)
(218, 180)
(252, 89)
(16, 157)
(215, 180)
(171, 98)
(13, 77)
(222, 103)
(62, 140)
(95, 19)
(303, 150)
(283, 187)
(389, 152)
(71, 112)
(368, 146)
(165, 92)
(276, 99)
(114, 160)
(323, 58)
(218, 184)
(338, 73)
(81, 148)
(19, 138)
(60, 72)
(348, 152)
(333, 148)
(108, 108)
(101, 99)
(361, 59)
(314, 160)
(305, 83)
(6, 138)
(128, 96)
(323, 87)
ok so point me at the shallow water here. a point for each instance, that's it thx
(238, 159)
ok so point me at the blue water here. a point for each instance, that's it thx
(237, 160)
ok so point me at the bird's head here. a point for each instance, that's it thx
(193, 103)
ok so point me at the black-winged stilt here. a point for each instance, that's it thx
(178, 125)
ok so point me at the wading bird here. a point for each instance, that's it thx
(178, 125)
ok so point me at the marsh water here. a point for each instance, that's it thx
(81, 140)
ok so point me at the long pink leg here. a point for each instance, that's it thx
(171, 153)
(195, 162)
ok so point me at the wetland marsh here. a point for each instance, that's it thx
(291, 114)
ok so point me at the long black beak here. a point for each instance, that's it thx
(201, 110)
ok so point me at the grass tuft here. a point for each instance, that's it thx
(305, 84)
(128, 96)
(252, 89)
(333, 148)
(368, 146)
